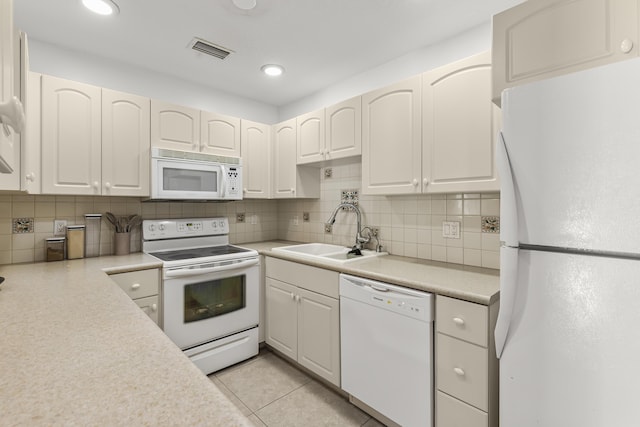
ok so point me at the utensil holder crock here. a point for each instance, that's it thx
(122, 243)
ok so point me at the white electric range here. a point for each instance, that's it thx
(210, 290)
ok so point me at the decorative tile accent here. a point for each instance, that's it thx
(349, 196)
(490, 224)
(22, 225)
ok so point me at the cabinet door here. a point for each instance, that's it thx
(31, 156)
(256, 160)
(459, 127)
(174, 127)
(281, 317)
(125, 144)
(545, 38)
(9, 148)
(391, 139)
(343, 135)
(219, 135)
(150, 306)
(319, 334)
(71, 134)
(310, 137)
(284, 159)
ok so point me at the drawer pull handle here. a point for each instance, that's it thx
(458, 372)
(135, 286)
(458, 321)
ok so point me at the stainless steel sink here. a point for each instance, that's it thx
(327, 252)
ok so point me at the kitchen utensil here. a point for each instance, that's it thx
(113, 220)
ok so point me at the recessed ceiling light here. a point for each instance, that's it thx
(101, 7)
(272, 70)
(245, 4)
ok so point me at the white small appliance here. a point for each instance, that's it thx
(183, 175)
(386, 346)
(210, 306)
(567, 330)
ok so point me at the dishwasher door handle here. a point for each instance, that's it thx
(378, 288)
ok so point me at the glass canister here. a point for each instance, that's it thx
(55, 248)
(93, 223)
(75, 241)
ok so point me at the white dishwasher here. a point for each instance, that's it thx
(386, 339)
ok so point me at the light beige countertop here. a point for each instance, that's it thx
(479, 285)
(76, 350)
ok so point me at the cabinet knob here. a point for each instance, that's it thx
(244, 190)
(293, 190)
(154, 307)
(107, 185)
(425, 182)
(458, 371)
(135, 286)
(415, 182)
(626, 45)
(458, 321)
(297, 298)
(293, 296)
(30, 177)
(96, 185)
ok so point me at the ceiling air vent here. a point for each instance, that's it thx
(210, 48)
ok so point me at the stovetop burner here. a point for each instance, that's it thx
(182, 254)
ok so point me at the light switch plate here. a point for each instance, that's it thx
(451, 229)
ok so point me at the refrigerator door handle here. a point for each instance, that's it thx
(508, 206)
(508, 288)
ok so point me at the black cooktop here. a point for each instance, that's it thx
(182, 254)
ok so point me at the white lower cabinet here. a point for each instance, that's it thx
(143, 287)
(303, 316)
(466, 367)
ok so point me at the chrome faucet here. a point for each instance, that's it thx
(360, 239)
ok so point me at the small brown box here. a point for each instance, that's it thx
(55, 249)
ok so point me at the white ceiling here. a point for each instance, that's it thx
(319, 42)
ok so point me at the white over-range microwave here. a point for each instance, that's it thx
(182, 175)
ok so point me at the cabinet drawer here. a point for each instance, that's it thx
(461, 319)
(150, 306)
(462, 370)
(138, 284)
(451, 412)
(319, 280)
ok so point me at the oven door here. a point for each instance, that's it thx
(205, 302)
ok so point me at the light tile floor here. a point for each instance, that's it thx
(272, 392)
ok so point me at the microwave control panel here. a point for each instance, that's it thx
(234, 182)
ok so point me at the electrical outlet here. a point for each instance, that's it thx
(451, 229)
(59, 227)
(240, 217)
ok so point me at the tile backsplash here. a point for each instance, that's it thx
(408, 225)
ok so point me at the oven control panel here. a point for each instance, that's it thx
(175, 228)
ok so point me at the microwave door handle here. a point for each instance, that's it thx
(223, 181)
(198, 271)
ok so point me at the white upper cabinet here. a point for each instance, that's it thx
(94, 141)
(256, 160)
(71, 134)
(219, 134)
(290, 180)
(391, 139)
(284, 159)
(459, 127)
(310, 137)
(174, 127)
(9, 144)
(546, 38)
(343, 135)
(125, 144)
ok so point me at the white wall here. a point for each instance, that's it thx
(473, 41)
(56, 61)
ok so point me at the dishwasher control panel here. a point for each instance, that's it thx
(405, 301)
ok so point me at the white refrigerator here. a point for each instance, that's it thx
(568, 330)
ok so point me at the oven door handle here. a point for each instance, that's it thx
(198, 271)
